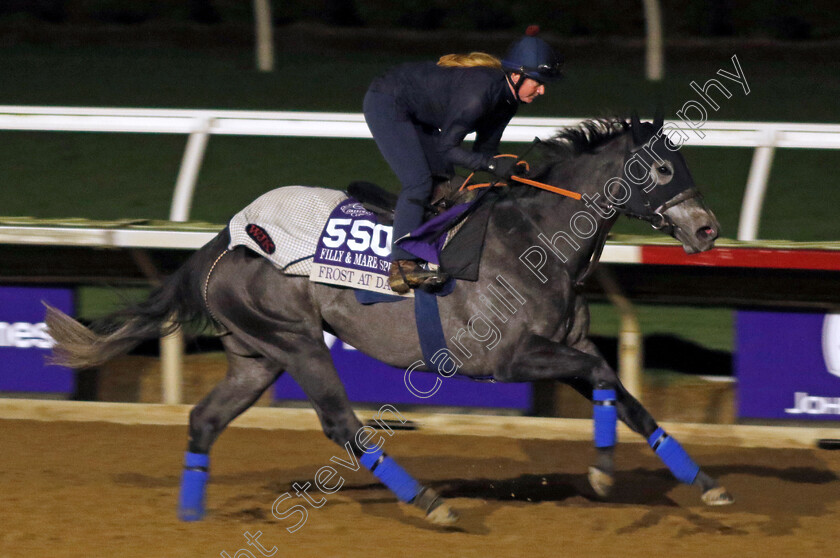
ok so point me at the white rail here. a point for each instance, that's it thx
(199, 125)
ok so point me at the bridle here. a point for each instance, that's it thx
(657, 217)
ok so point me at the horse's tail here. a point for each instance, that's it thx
(176, 302)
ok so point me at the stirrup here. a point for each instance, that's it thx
(416, 278)
(397, 281)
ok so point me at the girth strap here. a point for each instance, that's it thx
(429, 328)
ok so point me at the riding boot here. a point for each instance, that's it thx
(408, 274)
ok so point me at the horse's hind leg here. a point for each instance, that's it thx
(287, 329)
(314, 371)
(248, 376)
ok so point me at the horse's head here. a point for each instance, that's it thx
(662, 190)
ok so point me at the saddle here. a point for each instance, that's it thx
(461, 255)
(377, 200)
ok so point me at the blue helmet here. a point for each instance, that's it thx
(533, 57)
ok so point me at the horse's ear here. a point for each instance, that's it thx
(636, 128)
(658, 118)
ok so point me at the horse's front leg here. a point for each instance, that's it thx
(539, 358)
(667, 448)
(584, 369)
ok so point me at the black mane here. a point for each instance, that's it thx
(586, 136)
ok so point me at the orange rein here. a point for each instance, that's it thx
(549, 187)
(528, 181)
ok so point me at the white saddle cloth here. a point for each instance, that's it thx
(293, 217)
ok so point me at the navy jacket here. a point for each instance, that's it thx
(453, 102)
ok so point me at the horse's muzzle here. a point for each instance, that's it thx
(692, 223)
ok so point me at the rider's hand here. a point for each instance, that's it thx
(503, 167)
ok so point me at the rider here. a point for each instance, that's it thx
(419, 113)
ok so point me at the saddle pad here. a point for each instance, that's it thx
(354, 250)
(322, 234)
(284, 225)
(461, 255)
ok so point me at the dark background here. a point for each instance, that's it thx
(760, 19)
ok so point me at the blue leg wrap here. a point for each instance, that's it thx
(604, 416)
(392, 475)
(193, 481)
(674, 456)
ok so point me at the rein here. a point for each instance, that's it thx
(655, 216)
(548, 187)
(520, 160)
(529, 182)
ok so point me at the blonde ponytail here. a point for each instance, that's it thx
(469, 60)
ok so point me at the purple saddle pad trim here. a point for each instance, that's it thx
(426, 241)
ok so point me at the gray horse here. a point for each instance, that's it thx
(521, 321)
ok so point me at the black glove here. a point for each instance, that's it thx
(503, 167)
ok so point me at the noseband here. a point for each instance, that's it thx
(657, 217)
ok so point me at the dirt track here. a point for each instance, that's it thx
(98, 489)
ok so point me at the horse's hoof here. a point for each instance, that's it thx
(717, 496)
(442, 515)
(601, 482)
(436, 509)
(194, 513)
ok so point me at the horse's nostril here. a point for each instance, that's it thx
(706, 233)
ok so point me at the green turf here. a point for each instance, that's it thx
(220, 78)
(78, 174)
(94, 302)
(785, 85)
(710, 326)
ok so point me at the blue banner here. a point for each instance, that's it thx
(788, 365)
(25, 342)
(368, 380)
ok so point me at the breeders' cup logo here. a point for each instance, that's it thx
(355, 210)
(831, 343)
